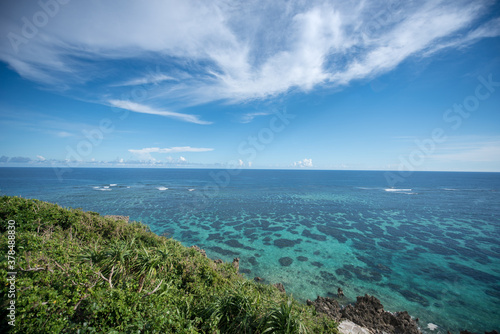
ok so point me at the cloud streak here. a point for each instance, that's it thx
(234, 51)
(247, 118)
(143, 109)
(170, 150)
(146, 80)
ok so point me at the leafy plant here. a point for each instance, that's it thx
(283, 320)
(81, 272)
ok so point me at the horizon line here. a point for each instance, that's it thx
(254, 168)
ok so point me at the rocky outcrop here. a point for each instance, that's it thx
(328, 306)
(349, 327)
(280, 287)
(236, 263)
(369, 313)
(467, 332)
(199, 250)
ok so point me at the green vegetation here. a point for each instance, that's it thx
(79, 272)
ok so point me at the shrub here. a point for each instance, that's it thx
(80, 272)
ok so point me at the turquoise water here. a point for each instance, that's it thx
(430, 247)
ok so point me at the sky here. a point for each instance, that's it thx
(361, 85)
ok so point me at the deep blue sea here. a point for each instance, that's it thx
(431, 246)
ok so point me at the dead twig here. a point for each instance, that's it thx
(78, 304)
(108, 279)
(36, 269)
(61, 267)
(150, 293)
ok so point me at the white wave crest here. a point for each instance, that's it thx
(431, 326)
(396, 190)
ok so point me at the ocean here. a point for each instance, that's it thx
(430, 245)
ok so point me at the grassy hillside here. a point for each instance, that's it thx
(81, 272)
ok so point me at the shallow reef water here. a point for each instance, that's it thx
(430, 245)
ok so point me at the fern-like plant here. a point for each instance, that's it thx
(283, 320)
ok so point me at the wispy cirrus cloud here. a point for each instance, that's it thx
(234, 51)
(469, 149)
(154, 79)
(143, 109)
(145, 153)
(170, 150)
(247, 118)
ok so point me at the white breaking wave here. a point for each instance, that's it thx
(191, 189)
(431, 326)
(161, 188)
(392, 189)
(113, 185)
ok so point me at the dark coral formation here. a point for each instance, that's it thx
(285, 261)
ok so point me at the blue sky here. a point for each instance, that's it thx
(376, 85)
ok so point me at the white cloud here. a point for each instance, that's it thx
(170, 150)
(306, 163)
(150, 79)
(241, 163)
(40, 158)
(247, 118)
(139, 108)
(234, 51)
(182, 159)
(63, 134)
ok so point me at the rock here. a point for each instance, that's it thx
(236, 263)
(328, 306)
(340, 293)
(280, 287)
(258, 279)
(367, 312)
(199, 250)
(350, 327)
(218, 261)
(492, 332)
(285, 261)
